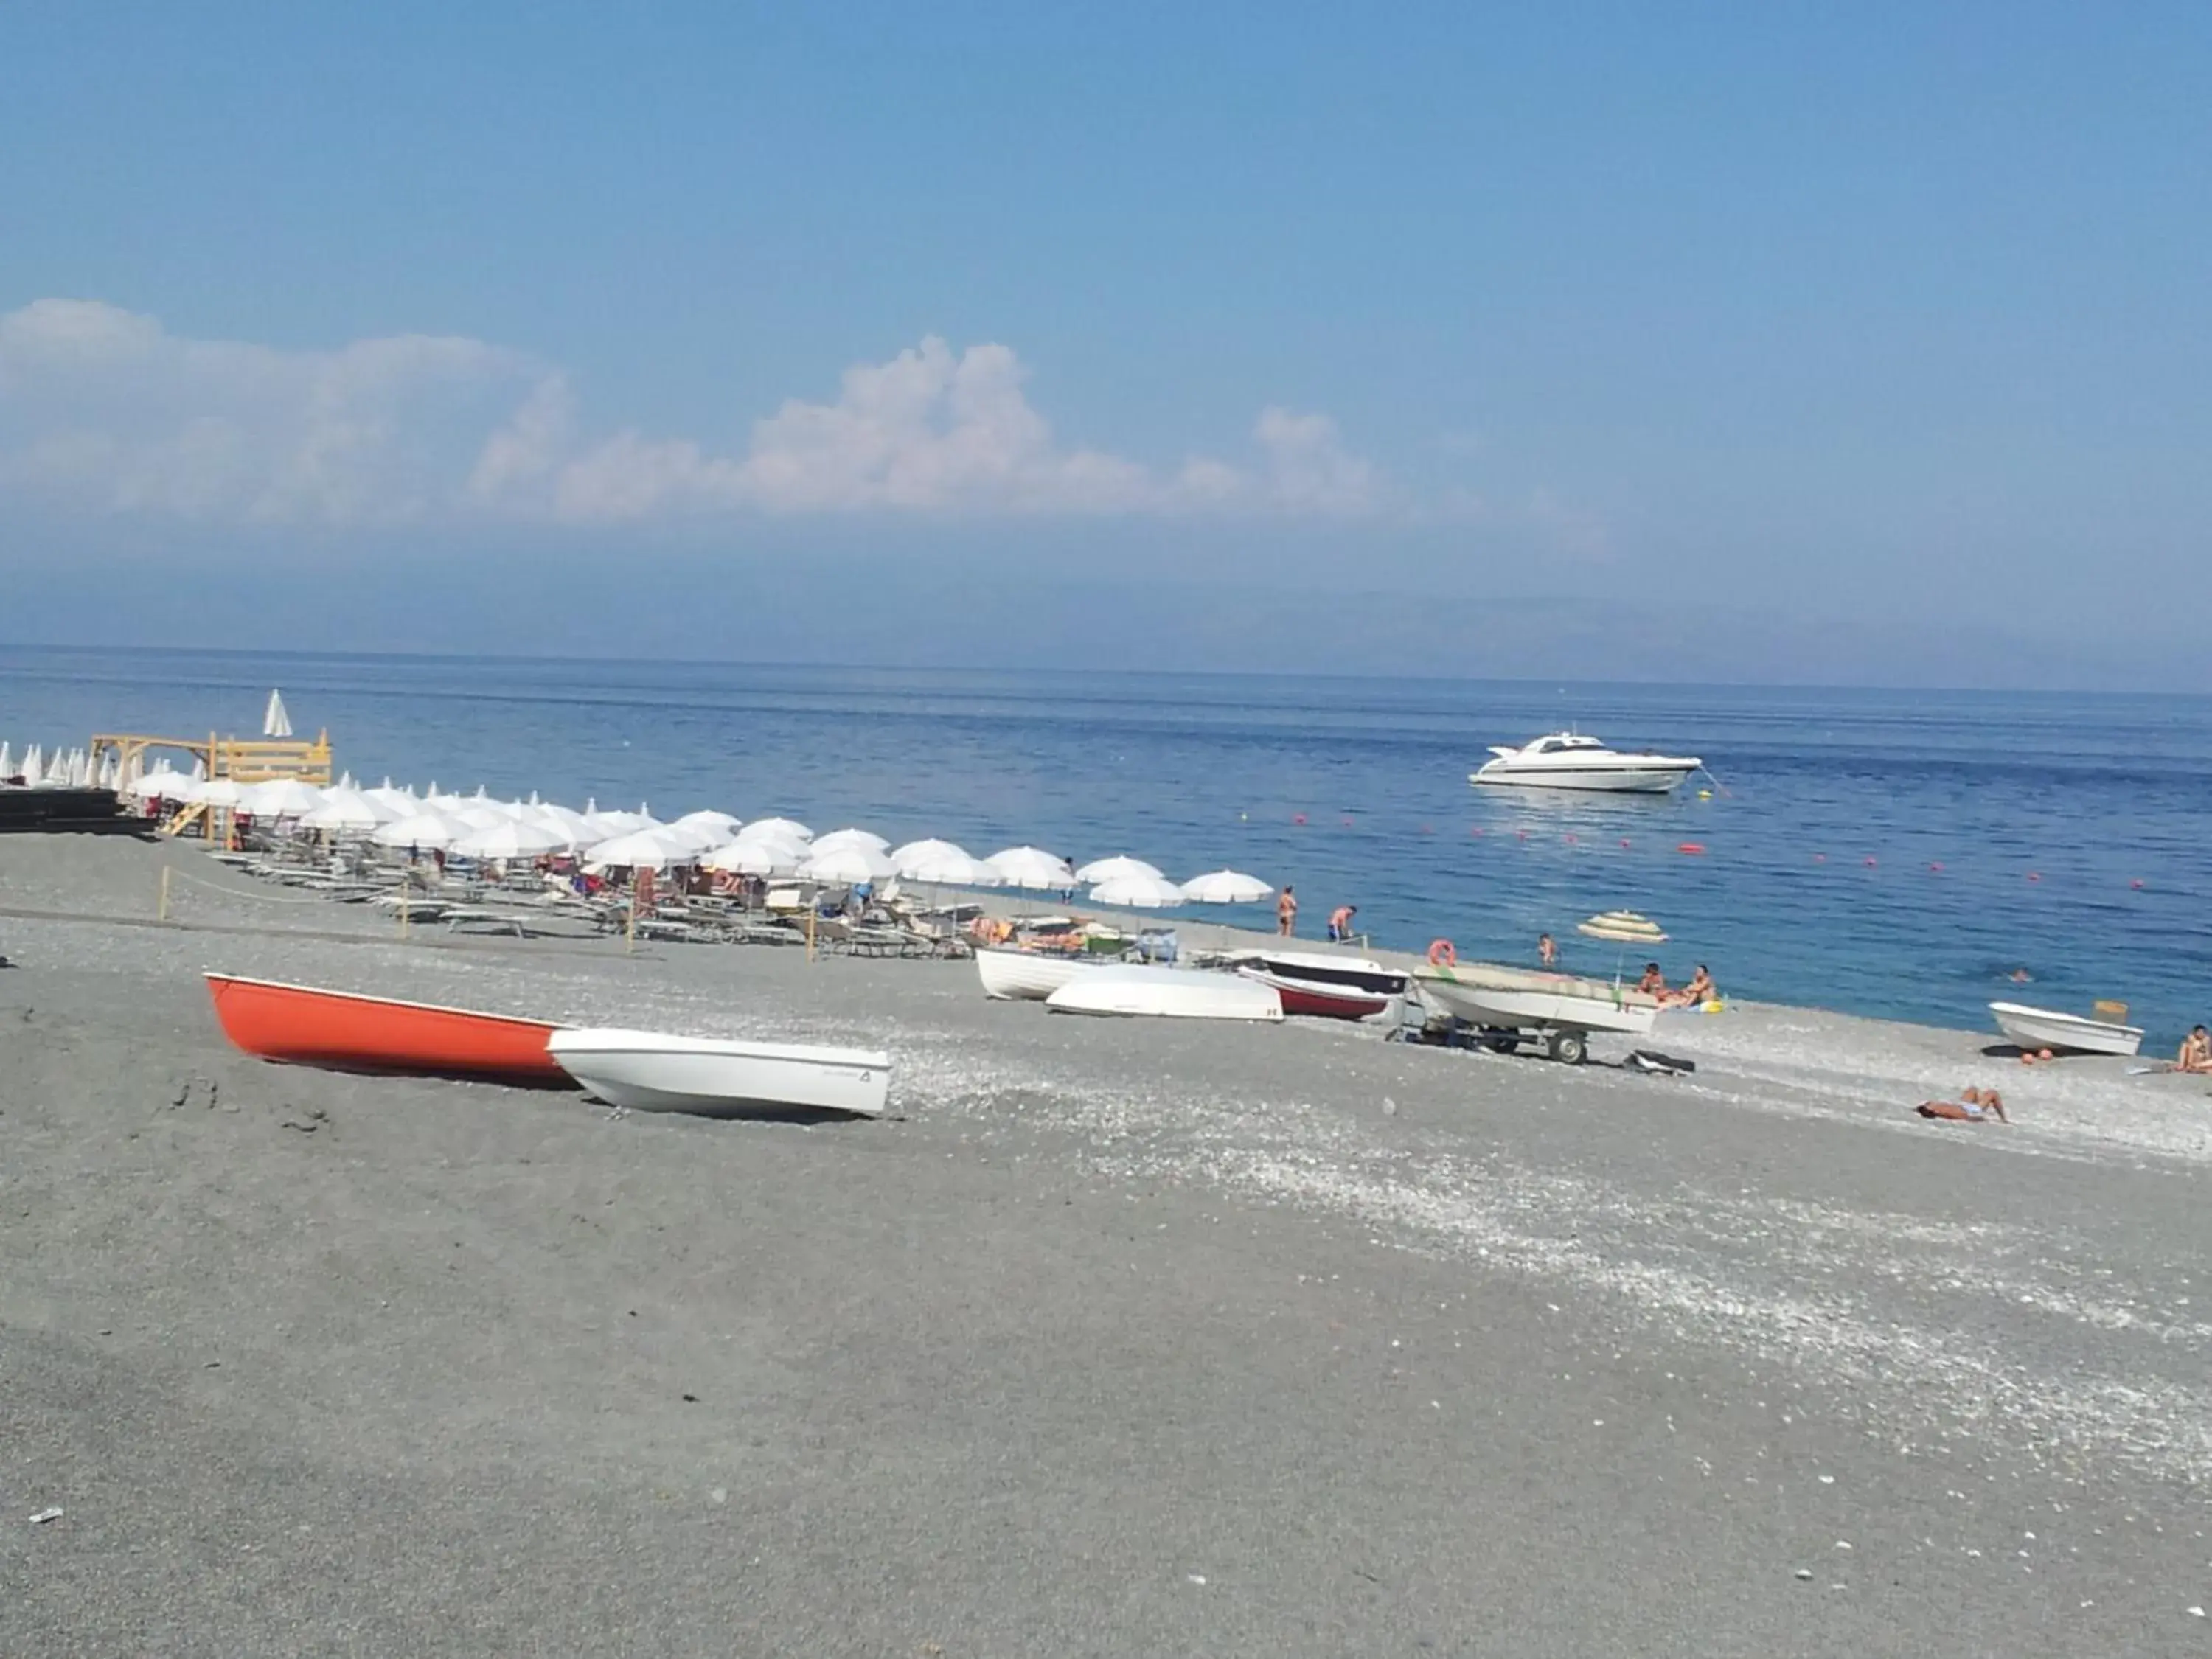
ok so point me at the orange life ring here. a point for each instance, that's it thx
(1440, 954)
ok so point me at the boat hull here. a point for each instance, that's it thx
(303, 1025)
(1166, 994)
(1616, 780)
(1026, 975)
(1507, 999)
(2048, 1028)
(651, 1071)
(1319, 999)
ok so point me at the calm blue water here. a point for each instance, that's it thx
(2091, 794)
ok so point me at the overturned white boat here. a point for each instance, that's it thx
(2033, 1029)
(1570, 760)
(1560, 1009)
(1166, 994)
(719, 1077)
(1028, 975)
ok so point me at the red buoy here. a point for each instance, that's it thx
(1937, 868)
(2137, 885)
(1428, 829)
(1298, 817)
(1623, 841)
(1819, 858)
(2035, 875)
(1571, 841)
(1694, 848)
(1872, 862)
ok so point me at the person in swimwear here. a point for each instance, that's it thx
(1547, 951)
(1701, 989)
(1654, 983)
(1972, 1106)
(1339, 922)
(2196, 1053)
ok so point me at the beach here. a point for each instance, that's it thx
(1115, 1338)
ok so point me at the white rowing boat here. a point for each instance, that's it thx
(2048, 1028)
(1166, 994)
(1027, 975)
(719, 1076)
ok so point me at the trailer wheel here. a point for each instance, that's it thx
(1569, 1048)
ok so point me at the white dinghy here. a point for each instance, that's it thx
(719, 1077)
(1028, 975)
(1166, 994)
(2034, 1029)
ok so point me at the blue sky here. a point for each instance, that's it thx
(1695, 342)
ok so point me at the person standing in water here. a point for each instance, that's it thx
(1286, 912)
(1339, 922)
(1547, 951)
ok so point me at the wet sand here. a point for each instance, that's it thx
(1120, 1337)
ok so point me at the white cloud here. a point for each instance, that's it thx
(103, 408)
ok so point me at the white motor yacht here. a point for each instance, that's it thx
(1570, 760)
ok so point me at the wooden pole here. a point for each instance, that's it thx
(403, 906)
(629, 923)
(162, 913)
(810, 933)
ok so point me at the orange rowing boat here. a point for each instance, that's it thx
(305, 1026)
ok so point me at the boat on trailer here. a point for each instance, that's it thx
(307, 1025)
(1166, 994)
(2033, 1029)
(722, 1076)
(1324, 987)
(1556, 1010)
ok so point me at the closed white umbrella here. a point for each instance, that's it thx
(280, 798)
(1100, 870)
(511, 839)
(950, 868)
(849, 865)
(1032, 867)
(1138, 892)
(1226, 887)
(433, 831)
(34, 768)
(7, 770)
(275, 722)
(837, 839)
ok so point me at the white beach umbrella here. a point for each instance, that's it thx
(345, 809)
(718, 826)
(1138, 892)
(159, 784)
(918, 852)
(1100, 870)
(218, 791)
(510, 840)
(790, 827)
(849, 864)
(691, 837)
(1226, 887)
(950, 868)
(756, 858)
(430, 830)
(280, 798)
(478, 815)
(641, 849)
(1032, 867)
(111, 770)
(398, 802)
(836, 840)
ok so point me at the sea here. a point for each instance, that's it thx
(1902, 854)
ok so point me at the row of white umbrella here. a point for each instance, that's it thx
(480, 827)
(58, 769)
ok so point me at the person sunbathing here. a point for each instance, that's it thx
(1654, 983)
(1972, 1106)
(2195, 1053)
(1701, 989)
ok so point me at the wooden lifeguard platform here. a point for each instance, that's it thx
(242, 760)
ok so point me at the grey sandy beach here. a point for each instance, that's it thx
(1115, 1339)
